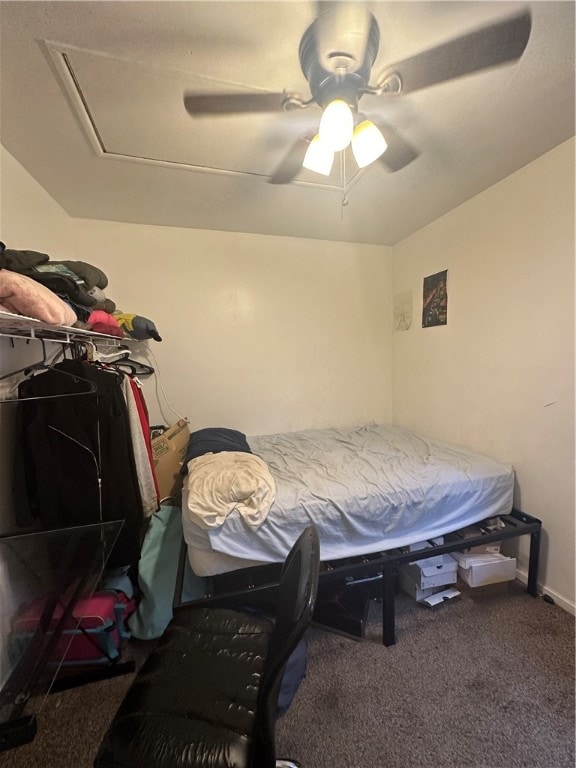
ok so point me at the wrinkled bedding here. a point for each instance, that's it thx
(220, 483)
(367, 488)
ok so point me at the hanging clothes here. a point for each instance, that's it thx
(74, 459)
(144, 469)
(136, 385)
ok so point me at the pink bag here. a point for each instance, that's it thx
(94, 634)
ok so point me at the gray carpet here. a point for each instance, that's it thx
(486, 680)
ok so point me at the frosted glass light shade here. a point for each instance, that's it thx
(319, 158)
(336, 125)
(367, 143)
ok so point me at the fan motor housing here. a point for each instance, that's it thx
(346, 79)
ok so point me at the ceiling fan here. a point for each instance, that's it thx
(337, 53)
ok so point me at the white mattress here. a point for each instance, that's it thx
(367, 489)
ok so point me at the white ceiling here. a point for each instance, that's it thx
(128, 151)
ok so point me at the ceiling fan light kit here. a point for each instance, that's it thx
(368, 144)
(336, 125)
(319, 157)
(336, 133)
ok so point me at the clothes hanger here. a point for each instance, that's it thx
(119, 360)
(44, 365)
(132, 367)
(94, 355)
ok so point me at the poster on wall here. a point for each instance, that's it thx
(435, 300)
(403, 311)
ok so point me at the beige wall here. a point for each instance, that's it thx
(260, 333)
(29, 218)
(500, 376)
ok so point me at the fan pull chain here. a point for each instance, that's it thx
(344, 202)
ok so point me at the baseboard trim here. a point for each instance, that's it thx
(559, 600)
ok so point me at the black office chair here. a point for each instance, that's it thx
(207, 696)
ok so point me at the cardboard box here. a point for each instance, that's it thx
(428, 561)
(480, 570)
(492, 548)
(412, 588)
(422, 545)
(169, 452)
(426, 575)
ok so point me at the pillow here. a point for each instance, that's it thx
(214, 440)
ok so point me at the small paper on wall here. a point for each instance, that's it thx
(403, 311)
(435, 300)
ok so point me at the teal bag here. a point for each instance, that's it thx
(157, 571)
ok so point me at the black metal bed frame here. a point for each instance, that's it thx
(259, 582)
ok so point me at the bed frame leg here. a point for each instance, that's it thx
(532, 587)
(388, 604)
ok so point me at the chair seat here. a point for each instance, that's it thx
(194, 702)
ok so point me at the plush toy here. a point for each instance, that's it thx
(137, 326)
(102, 322)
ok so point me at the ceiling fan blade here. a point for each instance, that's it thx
(399, 153)
(199, 105)
(292, 162)
(498, 43)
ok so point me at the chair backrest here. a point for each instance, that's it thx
(296, 596)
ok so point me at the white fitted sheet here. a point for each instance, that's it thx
(367, 489)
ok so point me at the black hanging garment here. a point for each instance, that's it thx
(74, 461)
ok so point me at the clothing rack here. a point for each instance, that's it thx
(30, 329)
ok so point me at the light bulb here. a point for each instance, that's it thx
(319, 157)
(367, 143)
(336, 125)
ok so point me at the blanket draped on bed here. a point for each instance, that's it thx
(219, 483)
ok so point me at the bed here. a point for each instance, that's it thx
(367, 489)
(371, 491)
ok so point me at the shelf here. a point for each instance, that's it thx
(19, 326)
